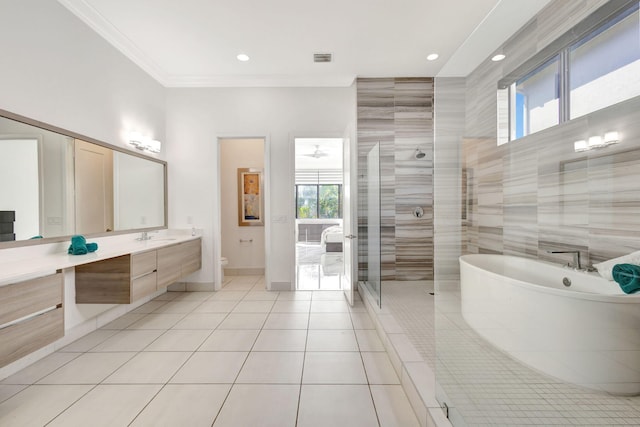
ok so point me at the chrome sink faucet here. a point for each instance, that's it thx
(144, 236)
(576, 258)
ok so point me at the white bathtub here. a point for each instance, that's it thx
(586, 334)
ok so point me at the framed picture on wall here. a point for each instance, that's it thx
(250, 197)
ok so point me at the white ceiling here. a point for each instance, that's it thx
(329, 148)
(194, 43)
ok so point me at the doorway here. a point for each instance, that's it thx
(242, 252)
(319, 203)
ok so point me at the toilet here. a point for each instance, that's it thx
(223, 262)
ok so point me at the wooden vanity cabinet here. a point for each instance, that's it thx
(124, 279)
(31, 316)
(177, 261)
(119, 280)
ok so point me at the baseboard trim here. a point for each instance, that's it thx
(244, 271)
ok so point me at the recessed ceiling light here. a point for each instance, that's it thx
(498, 57)
(243, 57)
(432, 57)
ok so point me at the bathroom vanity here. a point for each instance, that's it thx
(123, 271)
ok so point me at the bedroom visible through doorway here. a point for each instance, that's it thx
(318, 209)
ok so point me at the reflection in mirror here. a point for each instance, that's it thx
(35, 181)
(56, 184)
(138, 192)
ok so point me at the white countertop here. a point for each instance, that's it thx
(18, 264)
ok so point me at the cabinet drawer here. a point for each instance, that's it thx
(21, 299)
(143, 286)
(143, 263)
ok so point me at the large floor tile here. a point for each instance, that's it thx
(228, 295)
(89, 341)
(192, 405)
(281, 340)
(123, 321)
(243, 321)
(210, 368)
(43, 367)
(148, 368)
(362, 321)
(333, 368)
(295, 295)
(331, 340)
(38, 404)
(108, 405)
(272, 368)
(168, 296)
(129, 340)
(149, 307)
(264, 405)
(287, 321)
(178, 307)
(336, 405)
(9, 390)
(246, 306)
(157, 321)
(328, 296)
(294, 306)
(200, 321)
(330, 321)
(194, 296)
(368, 340)
(89, 368)
(179, 340)
(216, 306)
(230, 340)
(393, 407)
(379, 368)
(261, 295)
(322, 306)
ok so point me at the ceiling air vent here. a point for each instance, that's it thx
(321, 57)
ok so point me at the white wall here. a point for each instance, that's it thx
(234, 154)
(196, 118)
(59, 71)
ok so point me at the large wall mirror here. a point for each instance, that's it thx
(54, 183)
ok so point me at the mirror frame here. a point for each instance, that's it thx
(33, 242)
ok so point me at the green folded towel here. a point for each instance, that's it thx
(78, 246)
(627, 276)
(92, 247)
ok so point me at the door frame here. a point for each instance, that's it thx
(292, 157)
(217, 221)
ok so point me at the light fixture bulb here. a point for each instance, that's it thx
(611, 137)
(243, 57)
(580, 146)
(432, 57)
(498, 57)
(595, 141)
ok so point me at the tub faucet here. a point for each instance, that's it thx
(576, 257)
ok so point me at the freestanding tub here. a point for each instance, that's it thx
(587, 333)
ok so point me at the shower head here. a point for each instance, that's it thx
(419, 154)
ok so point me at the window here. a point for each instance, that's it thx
(319, 201)
(536, 100)
(605, 66)
(594, 65)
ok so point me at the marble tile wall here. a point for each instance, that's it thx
(398, 113)
(537, 194)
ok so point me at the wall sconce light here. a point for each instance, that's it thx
(611, 138)
(596, 141)
(142, 143)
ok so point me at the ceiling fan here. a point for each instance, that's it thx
(317, 154)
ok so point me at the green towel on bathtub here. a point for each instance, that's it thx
(627, 276)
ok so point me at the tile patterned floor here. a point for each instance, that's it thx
(238, 357)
